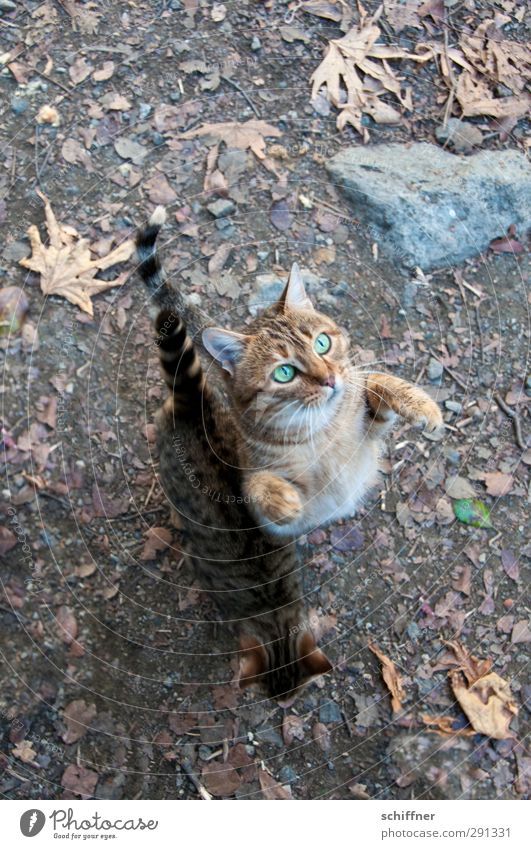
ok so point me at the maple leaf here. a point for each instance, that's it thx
(355, 72)
(249, 135)
(66, 265)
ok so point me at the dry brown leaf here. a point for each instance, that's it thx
(25, 752)
(487, 703)
(271, 789)
(391, 678)
(65, 264)
(78, 717)
(498, 483)
(403, 13)
(355, 72)
(471, 666)
(249, 135)
(157, 539)
(444, 725)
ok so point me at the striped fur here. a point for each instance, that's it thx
(255, 585)
(180, 363)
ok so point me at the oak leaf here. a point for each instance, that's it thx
(249, 135)
(487, 703)
(66, 265)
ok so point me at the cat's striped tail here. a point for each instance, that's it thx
(179, 360)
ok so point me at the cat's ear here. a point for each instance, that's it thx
(313, 660)
(253, 661)
(294, 296)
(225, 346)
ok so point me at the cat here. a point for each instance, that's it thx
(254, 583)
(310, 424)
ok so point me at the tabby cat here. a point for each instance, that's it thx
(254, 584)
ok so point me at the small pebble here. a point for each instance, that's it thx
(256, 44)
(329, 712)
(222, 207)
(454, 406)
(435, 369)
(18, 105)
(287, 775)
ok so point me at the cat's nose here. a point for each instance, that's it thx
(329, 381)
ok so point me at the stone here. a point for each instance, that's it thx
(19, 105)
(430, 208)
(222, 207)
(329, 712)
(287, 775)
(454, 407)
(435, 369)
(461, 135)
(256, 44)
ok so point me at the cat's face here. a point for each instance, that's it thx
(287, 375)
(281, 668)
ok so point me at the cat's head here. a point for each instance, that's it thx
(287, 373)
(281, 668)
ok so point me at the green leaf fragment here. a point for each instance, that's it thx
(472, 511)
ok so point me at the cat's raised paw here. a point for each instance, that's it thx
(273, 498)
(428, 416)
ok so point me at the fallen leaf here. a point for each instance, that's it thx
(391, 678)
(271, 789)
(79, 781)
(78, 717)
(470, 666)
(25, 752)
(220, 779)
(506, 245)
(280, 215)
(510, 564)
(324, 9)
(157, 539)
(346, 538)
(66, 624)
(521, 632)
(249, 135)
(74, 153)
(291, 34)
(458, 487)
(48, 115)
(321, 735)
(355, 72)
(219, 258)
(130, 149)
(79, 70)
(8, 540)
(447, 725)
(498, 483)
(66, 266)
(159, 190)
(403, 13)
(487, 703)
(472, 511)
(463, 582)
(292, 728)
(104, 73)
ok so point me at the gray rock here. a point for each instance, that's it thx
(18, 105)
(454, 406)
(256, 44)
(329, 712)
(435, 369)
(222, 207)
(430, 208)
(287, 775)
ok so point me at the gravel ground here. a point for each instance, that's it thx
(111, 687)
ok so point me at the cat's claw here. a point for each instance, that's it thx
(428, 417)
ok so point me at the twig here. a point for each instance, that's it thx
(242, 92)
(138, 515)
(513, 415)
(478, 320)
(201, 789)
(37, 172)
(449, 371)
(51, 80)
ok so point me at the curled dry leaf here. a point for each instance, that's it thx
(391, 678)
(66, 265)
(487, 703)
(25, 752)
(355, 72)
(292, 729)
(79, 781)
(445, 725)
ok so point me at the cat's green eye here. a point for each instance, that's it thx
(284, 373)
(322, 344)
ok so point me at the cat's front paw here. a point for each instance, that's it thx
(275, 499)
(426, 414)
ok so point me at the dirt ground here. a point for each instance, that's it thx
(115, 678)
